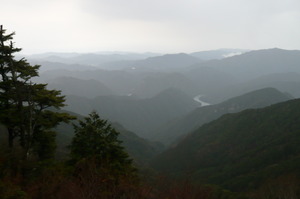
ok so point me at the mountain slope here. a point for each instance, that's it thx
(240, 150)
(120, 82)
(257, 63)
(74, 86)
(217, 54)
(141, 150)
(287, 82)
(94, 59)
(141, 116)
(255, 99)
(166, 62)
(48, 66)
(156, 83)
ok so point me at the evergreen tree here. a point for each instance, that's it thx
(27, 108)
(96, 139)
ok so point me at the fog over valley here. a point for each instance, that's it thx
(139, 99)
(149, 92)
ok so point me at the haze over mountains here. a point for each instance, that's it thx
(113, 60)
(257, 63)
(217, 79)
(228, 117)
(150, 92)
(92, 59)
(141, 150)
(138, 115)
(198, 117)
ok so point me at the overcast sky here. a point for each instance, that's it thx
(165, 26)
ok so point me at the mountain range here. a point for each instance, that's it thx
(227, 116)
(141, 116)
(239, 151)
(139, 149)
(255, 99)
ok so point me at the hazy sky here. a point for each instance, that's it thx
(151, 25)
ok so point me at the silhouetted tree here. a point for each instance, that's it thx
(102, 167)
(95, 138)
(27, 108)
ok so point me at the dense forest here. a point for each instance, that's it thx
(140, 130)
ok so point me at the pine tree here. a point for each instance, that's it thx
(102, 168)
(96, 139)
(27, 109)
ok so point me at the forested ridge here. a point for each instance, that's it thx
(240, 151)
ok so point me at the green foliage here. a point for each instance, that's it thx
(10, 191)
(25, 106)
(95, 138)
(286, 186)
(255, 99)
(101, 166)
(240, 151)
(139, 149)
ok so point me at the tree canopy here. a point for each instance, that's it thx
(27, 109)
(95, 138)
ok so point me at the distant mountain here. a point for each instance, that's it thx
(286, 82)
(154, 83)
(216, 80)
(93, 59)
(96, 59)
(52, 54)
(257, 63)
(217, 54)
(147, 84)
(240, 151)
(46, 66)
(166, 62)
(73, 86)
(171, 131)
(141, 116)
(209, 79)
(119, 82)
(243, 73)
(141, 150)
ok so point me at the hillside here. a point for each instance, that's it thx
(241, 150)
(209, 79)
(155, 83)
(257, 63)
(141, 150)
(255, 99)
(74, 86)
(287, 82)
(218, 80)
(94, 59)
(141, 116)
(217, 54)
(119, 82)
(48, 66)
(166, 62)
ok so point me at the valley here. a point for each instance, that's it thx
(239, 132)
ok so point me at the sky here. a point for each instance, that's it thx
(162, 26)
